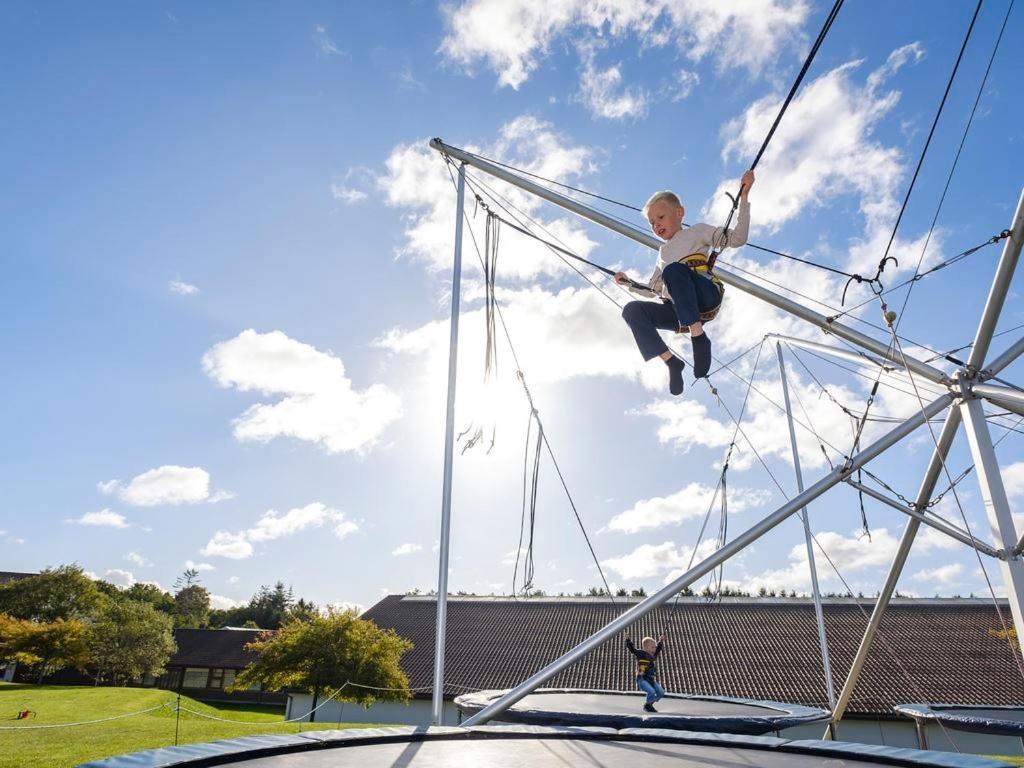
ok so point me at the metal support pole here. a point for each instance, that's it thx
(881, 349)
(1010, 399)
(931, 522)
(996, 504)
(711, 562)
(924, 493)
(860, 358)
(1011, 354)
(826, 665)
(1000, 287)
(449, 446)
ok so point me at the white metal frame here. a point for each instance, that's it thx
(963, 391)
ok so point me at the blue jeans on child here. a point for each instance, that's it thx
(691, 294)
(654, 691)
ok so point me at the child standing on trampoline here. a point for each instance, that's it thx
(689, 294)
(646, 669)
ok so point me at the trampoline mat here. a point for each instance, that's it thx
(596, 703)
(550, 753)
(618, 709)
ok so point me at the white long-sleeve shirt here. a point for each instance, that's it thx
(698, 239)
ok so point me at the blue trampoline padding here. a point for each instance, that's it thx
(341, 748)
(624, 709)
(980, 718)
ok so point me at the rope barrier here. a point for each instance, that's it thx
(166, 704)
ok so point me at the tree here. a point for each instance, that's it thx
(64, 592)
(326, 652)
(152, 594)
(191, 607)
(303, 610)
(44, 645)
(130, 639)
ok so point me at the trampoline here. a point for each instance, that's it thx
(995, 720)
(535, 746)
(620, 709)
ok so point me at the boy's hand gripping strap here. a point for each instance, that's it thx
(724, 241)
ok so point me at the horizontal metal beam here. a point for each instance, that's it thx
(855, 357)
(938, 525)
(637, 235)
(1004, 397)
(708, 564)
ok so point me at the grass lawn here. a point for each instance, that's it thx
(66, 747)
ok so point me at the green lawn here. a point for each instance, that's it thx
(66, 747)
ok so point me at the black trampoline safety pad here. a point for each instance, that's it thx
(535, 746)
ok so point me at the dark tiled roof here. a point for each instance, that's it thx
(929, 650)
(213, 648)
(6, 576)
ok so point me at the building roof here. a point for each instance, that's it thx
(6, 576)
(213, 648)
(934, 650)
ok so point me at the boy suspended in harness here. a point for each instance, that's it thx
(690, 294)
(646, 669)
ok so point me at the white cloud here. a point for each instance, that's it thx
(685, 82)
(648, 560)
(826, 148)
(201, 567)
(233, 580)
(406, 549)
(690, 502)
(849, 554)
(105, 517)
(603, 92)
(120, 577)
(274, 525)
(512, 37)
(325, 46)
(218, 496)
(318, 403)
(222, 603)
(182, 288)
(941, 576)
(354, 186)
(167, 485)
(137, 559)
(347, 195)
(226, 544)
(417, 180)
(1013, 479)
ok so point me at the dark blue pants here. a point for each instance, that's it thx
(691, 294)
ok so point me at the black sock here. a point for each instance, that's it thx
(701, 355)
(675, 375)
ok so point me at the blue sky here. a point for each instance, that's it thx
(227, 252)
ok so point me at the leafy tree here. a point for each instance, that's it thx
(189, 578)
(64, 592)
(129, 639)
(303, 610)
(326, 652)
(44, 645)
(191, 607)
(152, 594)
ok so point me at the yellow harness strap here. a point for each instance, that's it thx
(698, 262)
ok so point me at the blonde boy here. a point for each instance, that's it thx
(687, 290)
(646, 669)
